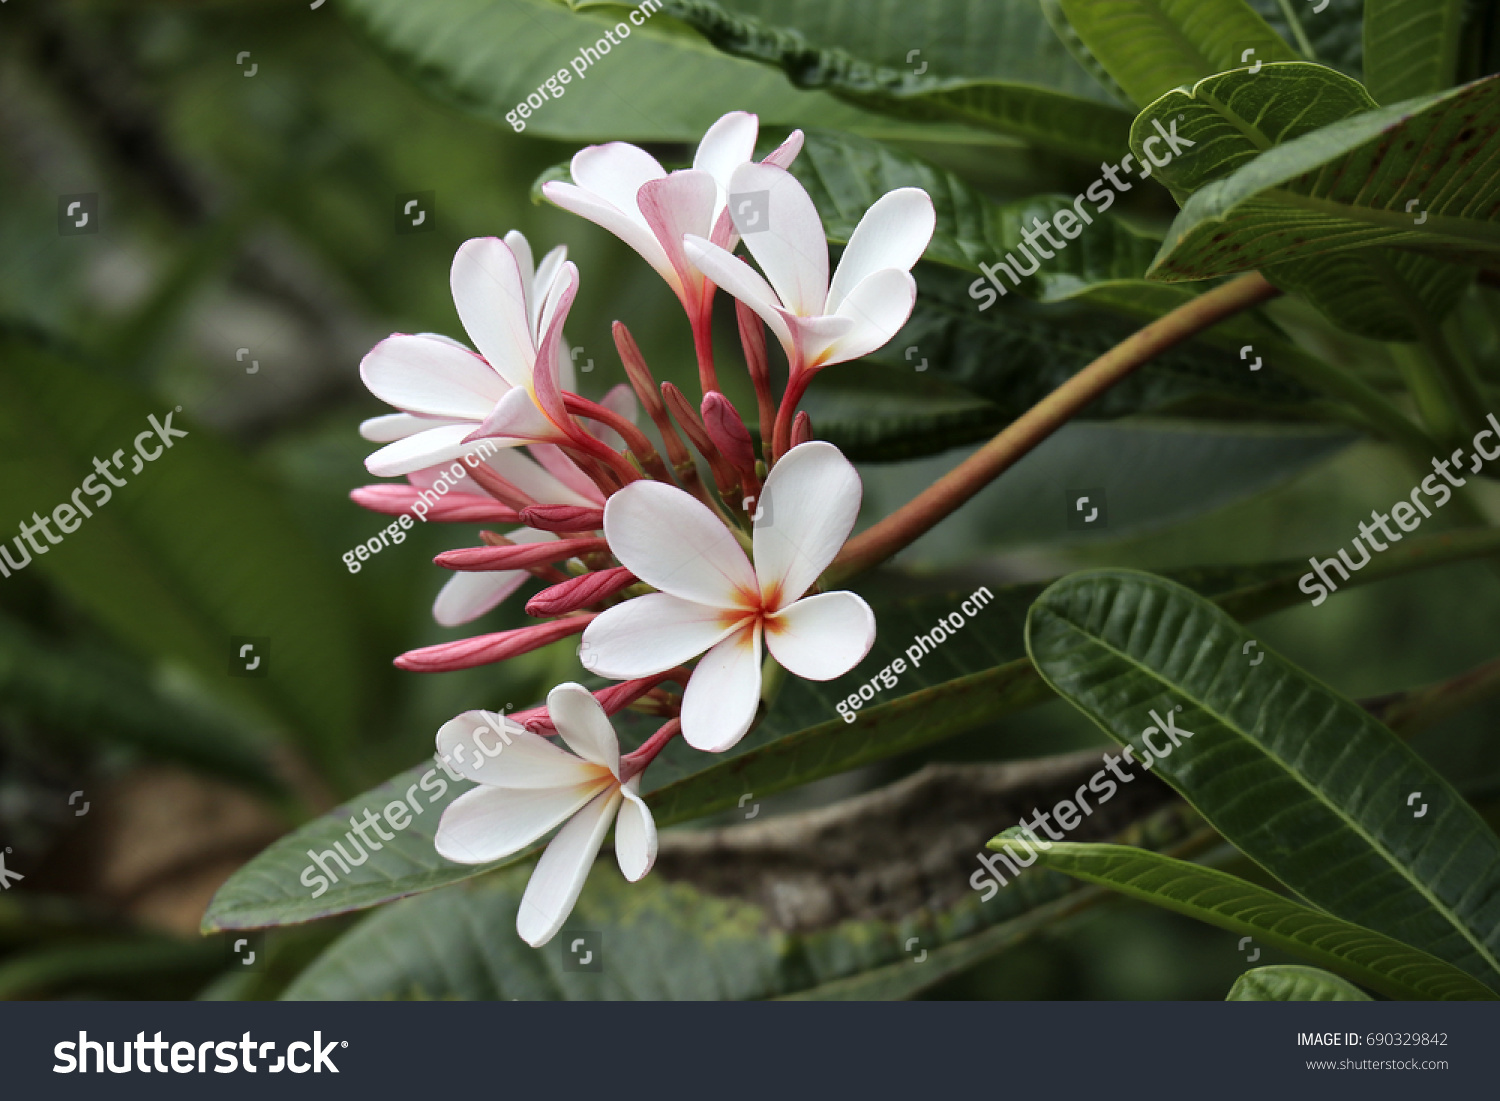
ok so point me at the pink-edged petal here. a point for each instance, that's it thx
(615, 172)
(892, 234)
(719, 702)
(467, 596)
(397, 426)
(546, 275)
(517, 418)
(680, 204)
(635, 834)
(815, 339)
(877, 308)
(420, 375)
(787, 242)
(492, 823)
(584, 726)
(650, 634)
(490, 296)
(566, 471)
(811, 501)
(559, 875)
(534, 481)
(727, 144)
(544, 380)
(726, 270)
(630, 228)
(620, 400)
(823, 636)
(785, 153)
(516, 241)
(674, 543)
(518, 759)
(436, 445)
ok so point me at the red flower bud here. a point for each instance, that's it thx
(563, 518)
(579, 592)
(517, 556)
(486, 649)
(723, 424)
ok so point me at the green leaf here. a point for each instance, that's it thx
(194, 549)
(716, 920)
(96, 696)
(1411, 47)
(1300, 779)
(1335, 33)
(1291, 983)
(1151, 46)
(1013, 76)
(1226, 901)
(1348, 185)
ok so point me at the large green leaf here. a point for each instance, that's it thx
(1233, 118)
(1348, 186)
(1411, 47)
(733, 914)
(1291, 983)
(193, 550)
(1224, 900)
(1335, 32)
(1013, 76)
(1300, 779)
(1150, 46)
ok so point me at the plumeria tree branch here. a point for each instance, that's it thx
(904, 526)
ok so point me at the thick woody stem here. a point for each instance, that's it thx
(904, 526)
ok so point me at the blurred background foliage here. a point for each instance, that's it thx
(257, 213)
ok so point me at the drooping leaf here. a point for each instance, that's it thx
(1229, 902)
(1291, 983)
(1151, 46)
(189, 552)
(1300, 779)
(1411, 47)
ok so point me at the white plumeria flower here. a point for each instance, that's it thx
(818, 322)
(448, 394)
(622, 188)
(528, 786)
(712, 601)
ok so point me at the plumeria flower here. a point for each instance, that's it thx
(625, 190)
(528, 786)
(819, 322)
(713, 601)
(449, 395)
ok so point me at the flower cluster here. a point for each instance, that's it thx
(670, 579)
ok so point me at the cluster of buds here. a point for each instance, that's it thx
(674, 582)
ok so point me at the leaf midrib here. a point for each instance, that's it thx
(1389, 857)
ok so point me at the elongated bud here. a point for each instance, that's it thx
(753, 340)
(692, 427)
(723, 424)
(580, 592)
(518, 556)
(563, 518)
(486, 649)
(454, 508)
(801, 429)
(614, 699)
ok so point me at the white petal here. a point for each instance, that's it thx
(546, 274)
(629, 227)
(516, 241)
(674, 543)
(719, 702)
(420, 375)
(436, 445)
(560, 873)
(892, 234)
(785, 153)
(878, 307)
(790, 248)
(531, 479)
(815, 339)
(397, 426)
(584, 725)
(650, 634)
(726, 145)
(823, 636)
(490, 297)
(527, 761)
(635, 834)
(622, 401)
(490, 823)
(566, 471)
(726, 270)
(517, 418)
(468, 595)
(680, 204)
(615, 172)
(811, 500)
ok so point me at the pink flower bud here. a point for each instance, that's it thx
(486, 649)
(723, 424)
(518, 556)
(579, 592)
(563, 518)
(455, 508)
